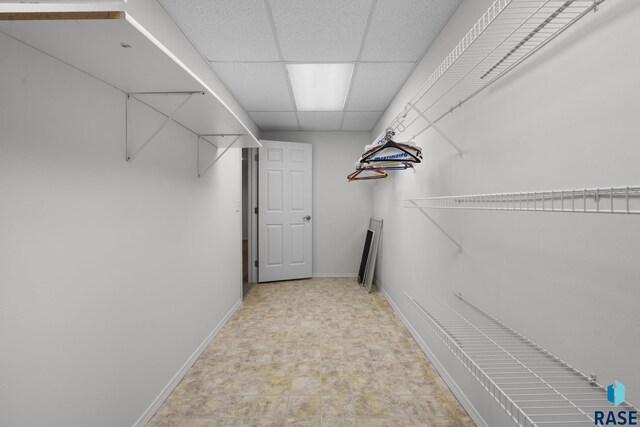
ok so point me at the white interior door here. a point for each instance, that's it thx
(284, 211)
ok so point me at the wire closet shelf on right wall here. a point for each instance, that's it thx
(531, 384)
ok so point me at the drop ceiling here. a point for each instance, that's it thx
(249, 43)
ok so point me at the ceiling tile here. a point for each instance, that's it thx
(275, 120)
(328, 30)
(226, 30)
(256, 86)
(376, 84)
(360, 120)
(402, 30)
(320, 120)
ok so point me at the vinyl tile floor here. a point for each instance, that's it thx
(317, 352)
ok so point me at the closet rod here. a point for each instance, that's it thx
(604, 200)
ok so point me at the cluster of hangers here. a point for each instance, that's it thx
(385, 155)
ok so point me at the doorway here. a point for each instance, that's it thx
(249, 218)
(277, 216)
(284, 211)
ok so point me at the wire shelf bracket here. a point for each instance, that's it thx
(603, 200)
(438, 226)
(131, 153)
(507, 34)
(534, 387)
(438, 131)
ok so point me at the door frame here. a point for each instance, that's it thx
(252, 207)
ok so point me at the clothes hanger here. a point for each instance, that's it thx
(404, 154)
(376, 170)
(401, 153)
(364, 174)
(397, 165)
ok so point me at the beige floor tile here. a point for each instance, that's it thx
(238, 407)
(394, 385)
(337, 407)
(403, 406)
(360, 368)
(364, 385)
(303, 422)
(298, 352)
(369, 405)
(275, 384)
(421, 385)
(206, 406)
(373, 422)
(301, 369)
(450, 422)
(431, 406)
(303, 407)
(285, 355)
(336, 368)
(409, 422)
(335, 386)
(305, 385)
(271, 406)
(268, 422)
(338, 422)
(280, 368)
(233, 422)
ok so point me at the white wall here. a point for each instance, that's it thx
(341, 210)
(565, 119)
(111, 273)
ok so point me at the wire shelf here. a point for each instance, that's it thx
(532, 385)
(605, 200)
(508, 33)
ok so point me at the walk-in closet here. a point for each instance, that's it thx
(324, 213)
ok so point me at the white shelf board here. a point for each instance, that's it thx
(94, 46)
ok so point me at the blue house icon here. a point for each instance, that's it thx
(615, 393)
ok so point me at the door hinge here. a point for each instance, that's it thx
(255, 263)
(255, 210)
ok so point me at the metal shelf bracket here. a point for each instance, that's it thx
(423, 212)
(203, 137)
(131, 155)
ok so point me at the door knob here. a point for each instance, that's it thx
(307, 218)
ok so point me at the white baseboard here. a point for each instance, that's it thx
(166, 391)
(455, 389)
(347, 275)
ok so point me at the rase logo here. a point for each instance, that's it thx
(615, 395)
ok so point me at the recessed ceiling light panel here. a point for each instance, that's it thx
(320, 87)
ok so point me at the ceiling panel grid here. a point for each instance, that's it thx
(226, 30)
(257, 86)
(320, 31)
(249, 43)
